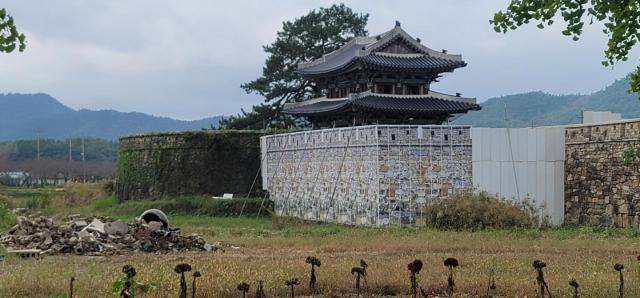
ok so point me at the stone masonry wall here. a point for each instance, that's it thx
(187, 163)
(369, 175)
(599, 188)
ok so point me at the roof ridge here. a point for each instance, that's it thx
(398, 31)
(399, 55)
(370, 44)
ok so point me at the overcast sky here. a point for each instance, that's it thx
(187, 59)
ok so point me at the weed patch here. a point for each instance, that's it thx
(191, 206)
(479, 210)
(7, 219)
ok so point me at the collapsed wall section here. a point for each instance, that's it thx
(369, 175)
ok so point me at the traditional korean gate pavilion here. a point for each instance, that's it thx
(383, 79)
(385, 152)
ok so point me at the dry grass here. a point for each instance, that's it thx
(276, 250)
(279, 256)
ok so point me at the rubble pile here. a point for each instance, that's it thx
(97, 236)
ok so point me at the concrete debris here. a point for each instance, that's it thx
(80, 223)
(95, 226)
(19, 210)
(26, 253)
(155, 226)
(102, 236)
(116, 228)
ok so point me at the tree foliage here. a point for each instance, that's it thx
(621, 20)
(10, 38)
(260, 117)
(304, 39)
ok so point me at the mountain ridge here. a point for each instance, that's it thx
(538, 108)
(25, 116)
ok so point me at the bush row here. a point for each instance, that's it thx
(198, 206)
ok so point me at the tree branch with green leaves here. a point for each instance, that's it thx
(10, 38)
(621, 20)
(306, 38)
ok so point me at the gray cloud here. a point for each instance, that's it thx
(187, 59)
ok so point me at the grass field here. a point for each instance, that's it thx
(275, 249)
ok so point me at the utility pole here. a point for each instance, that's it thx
(38, 146)
(70, 165)
(84, 171)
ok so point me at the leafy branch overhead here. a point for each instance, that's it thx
(304, 39)
(10, 38)
(621, 20)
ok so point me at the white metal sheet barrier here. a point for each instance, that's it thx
(522, 162)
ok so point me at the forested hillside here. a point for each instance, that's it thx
(27, 116)
(539, 108)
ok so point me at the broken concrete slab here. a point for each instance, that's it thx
(80, 224)
(96, 225)
(25, 253)
(116, 228)
(154, 226)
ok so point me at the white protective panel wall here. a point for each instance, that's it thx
(522, 162)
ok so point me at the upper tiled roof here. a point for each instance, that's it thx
(367, 50)
(411, 62)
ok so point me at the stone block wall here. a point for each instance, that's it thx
(599, 188)
(368, 175)
(187, 163)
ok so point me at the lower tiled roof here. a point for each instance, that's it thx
(413, 105)
(410, 105)
(319, 108)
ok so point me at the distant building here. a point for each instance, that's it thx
(599, 117)
(15, 178)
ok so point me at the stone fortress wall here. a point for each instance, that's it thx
(370, 175)
(187, 163)
(599, 188)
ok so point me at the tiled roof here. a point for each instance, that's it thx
(428, 104)
(420, 62)
(413, 105)
(367, 50)
(318, 108)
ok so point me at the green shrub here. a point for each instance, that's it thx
(479, 210)
(6, 202)
(83, 193)
(37, 203)
(7, 219)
